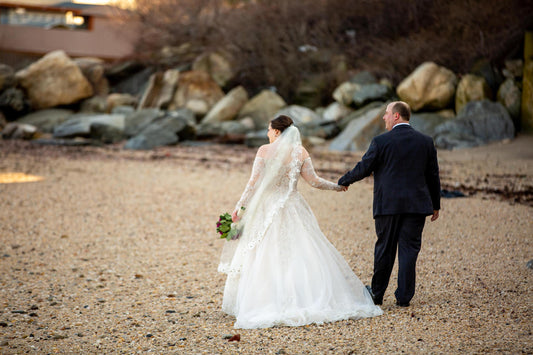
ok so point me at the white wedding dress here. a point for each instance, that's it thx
(283, 270)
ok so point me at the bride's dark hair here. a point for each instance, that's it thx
(281, 122)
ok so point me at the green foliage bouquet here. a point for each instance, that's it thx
(227, 229)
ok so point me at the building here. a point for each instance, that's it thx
(80, 30)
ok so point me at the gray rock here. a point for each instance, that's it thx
(79, 125)
(136, 121)
(324, 130)
(46, 120)
(363, 78)
(300, 115)
(479, 123)
(123, 110)
(360, 131)
(256, 139)
(370, 92)
(134, 83)
(163, 131)
(335, 112)
(343, 123)
(150, 138)
(217, 129)
(426, 122)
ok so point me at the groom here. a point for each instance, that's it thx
(406, 190)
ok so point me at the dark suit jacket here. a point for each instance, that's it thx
(406, 172)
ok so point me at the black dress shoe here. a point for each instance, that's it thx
(376, 301)
(400, 304)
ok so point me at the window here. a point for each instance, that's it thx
(20, 16)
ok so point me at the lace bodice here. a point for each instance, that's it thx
(287, 179)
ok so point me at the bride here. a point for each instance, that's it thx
(283, 270)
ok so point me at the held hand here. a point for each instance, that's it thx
(342, 188)
(435, 215)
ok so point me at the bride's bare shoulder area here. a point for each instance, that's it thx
(261, 152)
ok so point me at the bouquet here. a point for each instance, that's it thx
(227, 229)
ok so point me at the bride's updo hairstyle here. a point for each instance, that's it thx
(281, 122)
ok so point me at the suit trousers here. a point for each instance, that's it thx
(402, 232)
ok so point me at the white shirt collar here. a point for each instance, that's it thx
(401, 124)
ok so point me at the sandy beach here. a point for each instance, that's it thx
(115, 251)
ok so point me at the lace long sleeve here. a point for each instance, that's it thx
(309, 175)
(257, 171)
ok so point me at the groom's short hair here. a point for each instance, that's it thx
(403, 109)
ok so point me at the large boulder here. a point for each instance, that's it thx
(430, 86)
(166, 130)
(345, 121)
(322, 130)
(217, 64)
(225, 128)
(54, 80)
(471, 88)
(46, 120)
(370, 92)
(107, 128)
(510, 96)
(228, 107)
(160, 90)
(360, 131)
(196, 91)
(343, 94)
(93, 69)
(7, 77)
(335, 112)
(136, 121)
(479, 123)
(427, 122)
(300, 115)
(262, 108)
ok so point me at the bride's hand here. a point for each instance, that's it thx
(342, 188)
(234, 216)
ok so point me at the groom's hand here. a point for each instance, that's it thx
(435, 215)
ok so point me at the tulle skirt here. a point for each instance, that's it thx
(293, 276)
